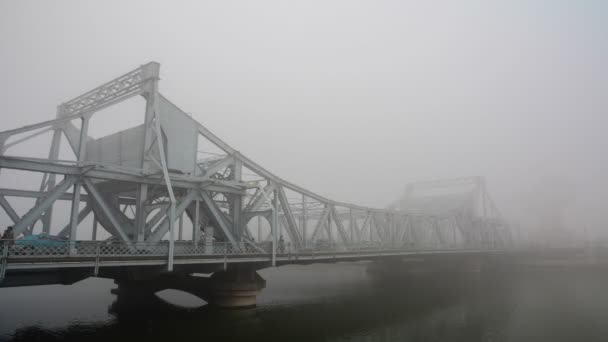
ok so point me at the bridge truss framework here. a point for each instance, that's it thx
(140, 201)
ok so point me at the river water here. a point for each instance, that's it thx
(328, 302)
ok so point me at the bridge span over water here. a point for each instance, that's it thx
(154, 204)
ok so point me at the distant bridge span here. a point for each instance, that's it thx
(135, 190)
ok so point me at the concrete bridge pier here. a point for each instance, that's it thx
(236, 287)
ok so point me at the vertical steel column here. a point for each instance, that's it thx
(392, 226)
(84, 133)
(150, 96)
(171, 236)
(74, 216)
(94, 233)
(274, 225)
(369, 226)
(47, 216)
(304, 221)
(351, 225)
(329, 235)
(180, 228)
(196, 225)
(151, 71)
(82, 145)
(237, 202)
(140, 211)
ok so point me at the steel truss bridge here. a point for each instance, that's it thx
(144, 186)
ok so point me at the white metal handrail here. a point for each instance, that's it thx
(16, 249)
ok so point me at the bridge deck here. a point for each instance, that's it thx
(101, 254)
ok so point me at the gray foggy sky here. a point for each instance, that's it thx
(351, 99)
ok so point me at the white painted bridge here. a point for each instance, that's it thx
(138, 190)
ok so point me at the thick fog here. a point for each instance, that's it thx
(351, 99)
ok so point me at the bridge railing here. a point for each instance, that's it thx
(16, 249)
(365, 247)
(40, 251)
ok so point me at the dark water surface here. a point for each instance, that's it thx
(339, 302)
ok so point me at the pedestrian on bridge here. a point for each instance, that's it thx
(9, 235)
(281, 244)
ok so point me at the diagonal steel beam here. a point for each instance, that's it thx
(161, 214)
(33, 135)
(252, 243)
(253, 197)
(321, 223)
(402, 228)
(262, 197)
(355, 234)
(218, 215)
(72, 135)
(23, 129)
(9, 209)
(163, 228)
(105, 207)
(373, 227)
(365, 224)
(339, 225)
(34, 214)
(380, 227)
(219, 165)
(283, 225)
(292, 226)
(81, 216)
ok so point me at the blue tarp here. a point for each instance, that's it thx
(40, 240)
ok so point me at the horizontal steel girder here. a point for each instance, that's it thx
(99, 173)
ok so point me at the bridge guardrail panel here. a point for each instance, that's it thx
(104, 251)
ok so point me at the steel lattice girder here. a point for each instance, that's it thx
(228, 214)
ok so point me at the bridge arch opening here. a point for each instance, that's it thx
(259, 228)
(179, 298)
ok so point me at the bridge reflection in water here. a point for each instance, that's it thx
(344, 303)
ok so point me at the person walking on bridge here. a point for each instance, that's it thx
(9, 235)
(281, 244)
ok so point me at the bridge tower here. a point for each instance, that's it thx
(458, 210)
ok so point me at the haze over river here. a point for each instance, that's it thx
(333, 302)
